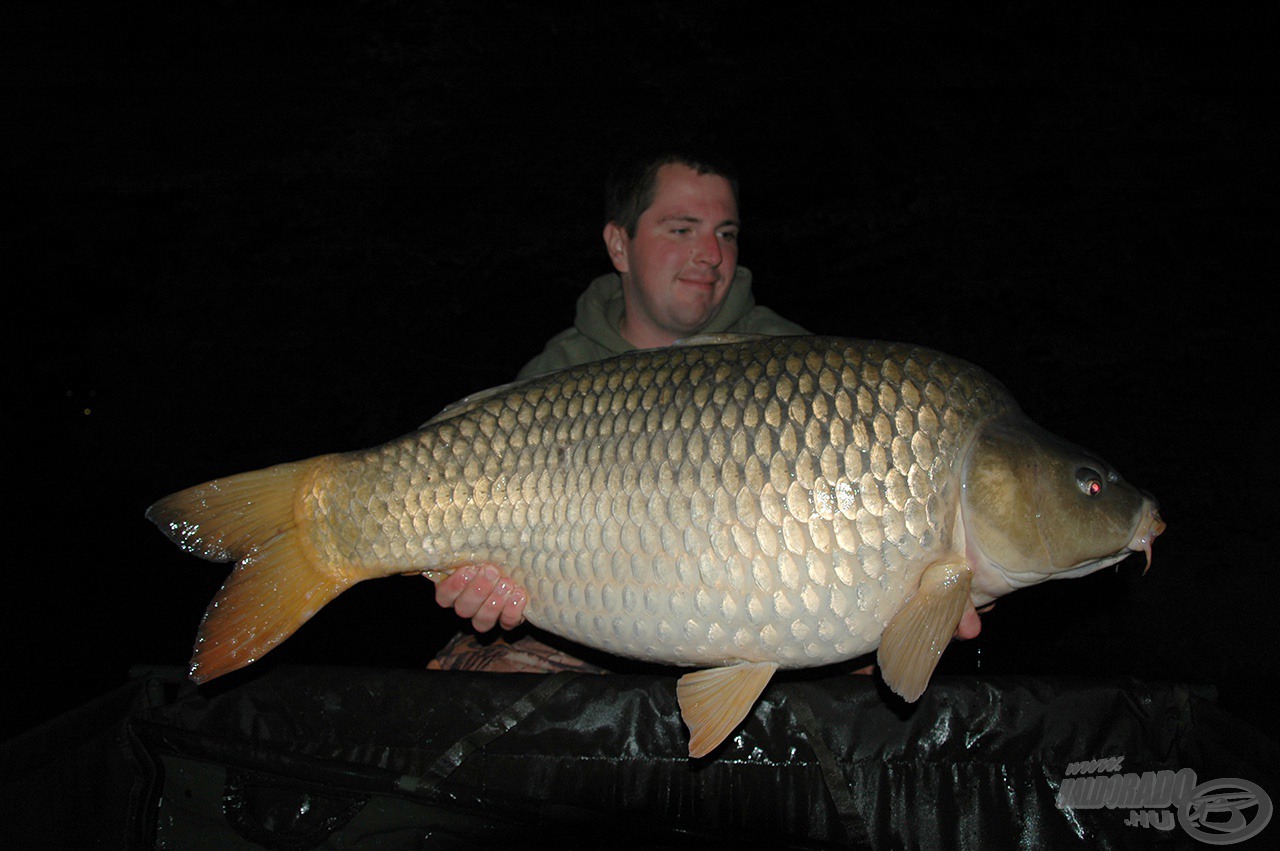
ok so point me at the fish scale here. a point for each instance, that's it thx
(794, 488)
(731, 505)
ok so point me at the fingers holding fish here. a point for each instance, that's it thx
(451, 586)
(511, 615)
(481, 594)
(970, 624)
(503, 607)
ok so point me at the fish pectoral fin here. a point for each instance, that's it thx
(713, 702)
(914, 640)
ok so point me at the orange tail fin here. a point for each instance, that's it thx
(278, 583)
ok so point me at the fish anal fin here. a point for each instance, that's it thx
(917, 635)
(714, 701)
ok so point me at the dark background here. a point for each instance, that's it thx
(240, 234)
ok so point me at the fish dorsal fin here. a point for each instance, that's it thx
(472, 401)
(719, 338)
(713, 702)
(913, 641)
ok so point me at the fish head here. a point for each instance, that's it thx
(1036, 507)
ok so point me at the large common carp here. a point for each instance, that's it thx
(735, 505)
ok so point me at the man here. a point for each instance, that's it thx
(672, 237)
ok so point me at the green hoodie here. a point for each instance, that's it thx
(595, 334)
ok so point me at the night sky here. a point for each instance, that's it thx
(240, 236)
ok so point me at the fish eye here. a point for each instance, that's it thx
(1089, 480)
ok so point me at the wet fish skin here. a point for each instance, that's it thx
(695, 491)
(676, 490)
(742, 505)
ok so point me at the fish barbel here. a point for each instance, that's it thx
(735, 505)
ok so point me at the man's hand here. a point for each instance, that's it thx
(481, 593)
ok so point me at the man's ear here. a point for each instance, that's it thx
(616, 242)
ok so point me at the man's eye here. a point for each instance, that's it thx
(729, 235)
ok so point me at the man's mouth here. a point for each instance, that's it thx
(698, 281)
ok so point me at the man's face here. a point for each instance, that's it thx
(677, 268)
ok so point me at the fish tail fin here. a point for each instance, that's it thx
(279, 581)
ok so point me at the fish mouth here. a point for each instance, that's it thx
(1148, 530)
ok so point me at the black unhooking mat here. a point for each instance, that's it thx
(311, 757)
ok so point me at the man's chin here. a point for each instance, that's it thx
(691, 323)
(694, 314)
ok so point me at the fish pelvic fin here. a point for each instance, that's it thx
(713, 702)
(913, 641)
(279, 581)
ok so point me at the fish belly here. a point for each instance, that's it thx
(775, 500)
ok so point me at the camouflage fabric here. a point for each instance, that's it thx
(524, 655)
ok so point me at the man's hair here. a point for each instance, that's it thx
(630, 189)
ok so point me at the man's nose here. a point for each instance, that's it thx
(708, 251)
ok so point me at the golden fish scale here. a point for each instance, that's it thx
(774, 500)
